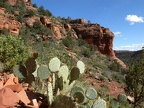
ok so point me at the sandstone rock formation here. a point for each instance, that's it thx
(31, 20)
(46, 21)
(9, 22)
(78, 21)
(97, 35)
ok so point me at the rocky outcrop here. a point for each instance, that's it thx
(56, 31)
(78, 21)
(13, 2)
(31, 20)
(46, 21)
(97, 35)
(9, 22)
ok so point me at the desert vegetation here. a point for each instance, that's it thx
(66, 72)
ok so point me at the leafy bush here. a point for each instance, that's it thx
(44, 12)
(69, 41)
(12, 51)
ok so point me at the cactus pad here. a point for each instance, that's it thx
(54, 64)
(63, 72)
(74, 74)
(100, 103)
(91, 93)
(50, 93)
(81, 66)
(43, 72)
(79, 97)
(30, 65)
(76, 89)
(20, 71)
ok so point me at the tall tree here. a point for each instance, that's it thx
(135, 82)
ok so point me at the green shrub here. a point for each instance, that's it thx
(12, 51)
(69, 41)
(44, 12)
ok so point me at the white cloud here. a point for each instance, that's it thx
(132, 47)
(117, 33)
(134, 19)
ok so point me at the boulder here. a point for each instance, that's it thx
(45, 21)
(8, 99)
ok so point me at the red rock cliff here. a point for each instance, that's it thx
(97, 35)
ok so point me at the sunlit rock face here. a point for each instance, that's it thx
(97, 35)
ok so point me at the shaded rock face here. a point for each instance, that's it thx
(9, 22)
(45, 21)
(97, 35)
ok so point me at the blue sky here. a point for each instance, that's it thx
(125, 18)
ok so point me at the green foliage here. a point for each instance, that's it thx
(114, 103)
(122, 98)
(115, 66)
(34, 5)
(44, 12)
(38, 28)
(135, 82)
(63, 101)
(31, 13)
(12, 51)
(5, 31)
(69, 41)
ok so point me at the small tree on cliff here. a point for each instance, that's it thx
(135, 82)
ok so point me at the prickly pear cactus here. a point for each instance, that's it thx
(63, 101)
(50, 93)
(35, 72)
(54, 64)
(30, 78)
(74, 74)
(100, 103)
(30, 65)
(20, 71)
(91, 93)
(59, 83)
(53, 80)
(114, 103)
(79, 97)
(63, 72)
(89, 104)
(81, 66)
(122, 98)
(76, 89)
(43, 72)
